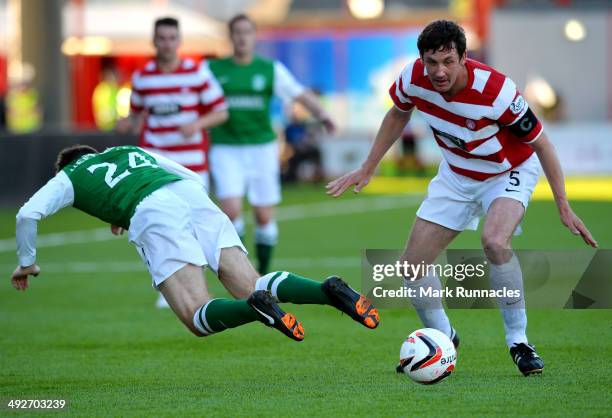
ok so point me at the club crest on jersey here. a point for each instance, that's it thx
(517, 105)
(258, 82)
(470, 124)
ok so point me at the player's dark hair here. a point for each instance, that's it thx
(238, 18)
(442, 34)
(165, 21)
(72, 153)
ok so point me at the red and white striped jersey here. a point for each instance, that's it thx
(171, 100)
(484, 130)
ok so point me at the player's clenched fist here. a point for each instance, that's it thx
(117, 230)
(20, 276)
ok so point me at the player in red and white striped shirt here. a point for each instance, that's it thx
(178, 100)
(175, 101)
(491, 142)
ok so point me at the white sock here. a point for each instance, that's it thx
(430, 309)
(267, 234)
(199, 320)
(276, 277)
(239, 226)
(509, 275)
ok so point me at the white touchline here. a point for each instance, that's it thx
(57, 239)
(81, 267)
(283, 214)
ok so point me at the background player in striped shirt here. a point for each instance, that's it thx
(491, 142)
(244, 154)
(177, 100)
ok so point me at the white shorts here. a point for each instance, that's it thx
(253, 170)
(178, 225)
(458, 202)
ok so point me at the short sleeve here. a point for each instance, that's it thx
(212, 94)
(285, 85)
(516, 114)
(397, 91)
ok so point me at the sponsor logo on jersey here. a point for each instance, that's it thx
(164, 109)
(258, 82)
(460, 143)
(245, 102)
(517, 105)
(470, 124)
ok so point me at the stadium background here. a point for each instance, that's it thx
(87, 331)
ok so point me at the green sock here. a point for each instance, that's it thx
(220, 314)
(264, 255)
(289, 287)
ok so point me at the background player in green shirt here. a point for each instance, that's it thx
(177, 231)
(244, 154)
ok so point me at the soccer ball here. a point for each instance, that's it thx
(427, 356)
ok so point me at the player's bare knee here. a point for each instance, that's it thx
(232, 208)
(496, 247)
(232, 213)
(263, 215)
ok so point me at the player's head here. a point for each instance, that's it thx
(442, 49)
(242, 34)
(166, 38)
(72, 153)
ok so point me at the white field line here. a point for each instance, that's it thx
(283, 214)
(82, 267)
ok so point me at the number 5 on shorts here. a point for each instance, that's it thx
(514, 179)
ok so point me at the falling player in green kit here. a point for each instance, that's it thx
(177, 231)
(244, 152)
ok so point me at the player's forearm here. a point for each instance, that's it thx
(26, 231)
(390, 130)
(212, 119)
(310, 102)
(552, 169)
(58, 193)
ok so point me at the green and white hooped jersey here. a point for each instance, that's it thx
(248, 91)
(110, 185)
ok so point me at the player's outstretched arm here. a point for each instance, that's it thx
(390, 130)
(550, 163)
(53, 196)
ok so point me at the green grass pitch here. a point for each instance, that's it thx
(86, 331)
